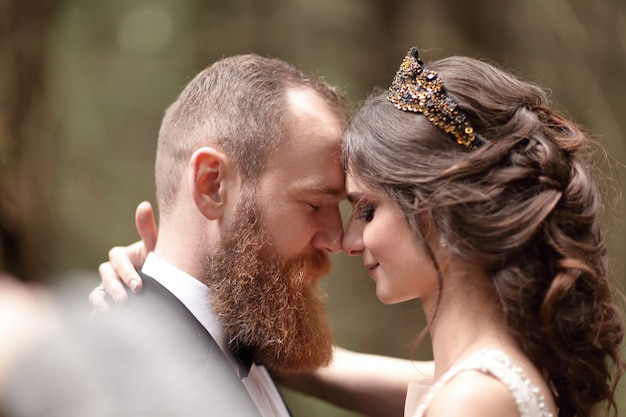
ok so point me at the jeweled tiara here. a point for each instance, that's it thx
(420, 90)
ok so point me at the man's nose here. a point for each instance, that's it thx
(330, 235)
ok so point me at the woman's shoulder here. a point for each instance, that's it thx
(486, 383)
(473, 393)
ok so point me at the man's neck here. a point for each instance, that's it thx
(184, 241)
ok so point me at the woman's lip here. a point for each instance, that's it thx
(371, 271)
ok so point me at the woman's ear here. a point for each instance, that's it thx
(209, 170)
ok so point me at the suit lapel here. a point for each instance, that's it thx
(152, 289)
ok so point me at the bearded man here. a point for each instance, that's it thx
(248, 181)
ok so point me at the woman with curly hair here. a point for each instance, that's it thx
(472, 194)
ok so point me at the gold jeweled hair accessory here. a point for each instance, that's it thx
(420, 90)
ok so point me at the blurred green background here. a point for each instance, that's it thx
(83, 86)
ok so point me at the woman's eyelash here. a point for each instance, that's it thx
(366, 213)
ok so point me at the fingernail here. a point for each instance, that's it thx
(133, 285)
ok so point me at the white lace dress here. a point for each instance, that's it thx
(530, 402)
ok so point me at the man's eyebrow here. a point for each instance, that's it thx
(322, 190)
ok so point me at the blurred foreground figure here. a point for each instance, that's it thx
(54, 361)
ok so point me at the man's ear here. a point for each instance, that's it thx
(209, 169)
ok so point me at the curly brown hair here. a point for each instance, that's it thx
(525, 207)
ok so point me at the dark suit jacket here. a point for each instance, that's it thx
(151, 358)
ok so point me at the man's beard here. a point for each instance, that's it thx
(266, 302)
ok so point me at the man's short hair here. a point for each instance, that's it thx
(237, 104)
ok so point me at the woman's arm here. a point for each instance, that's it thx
(373, 385)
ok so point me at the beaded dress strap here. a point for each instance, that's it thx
(529, 401)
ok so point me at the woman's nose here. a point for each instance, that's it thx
(352, 243)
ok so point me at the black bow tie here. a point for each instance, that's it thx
(245, 356)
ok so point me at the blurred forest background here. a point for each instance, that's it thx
(83, 86)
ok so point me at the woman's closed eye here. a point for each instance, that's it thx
(365, 212)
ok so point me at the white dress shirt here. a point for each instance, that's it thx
(195, 295)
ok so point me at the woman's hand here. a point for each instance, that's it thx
(121, 269)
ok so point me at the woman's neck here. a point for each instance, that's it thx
(467, 318)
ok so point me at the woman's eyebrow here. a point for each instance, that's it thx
(354, 197)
